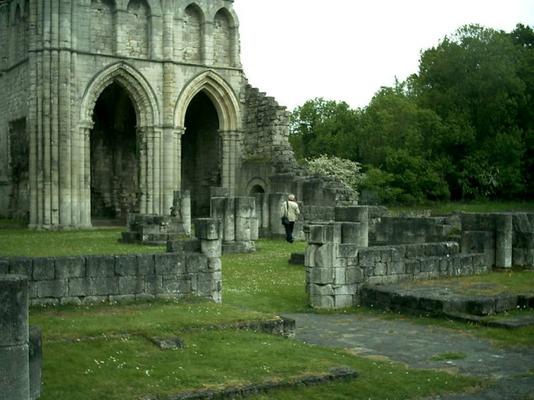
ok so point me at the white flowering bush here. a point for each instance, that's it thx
(348, 173)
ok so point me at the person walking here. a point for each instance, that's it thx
(290, 212)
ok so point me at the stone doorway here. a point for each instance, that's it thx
(114, 157)
(201, 153)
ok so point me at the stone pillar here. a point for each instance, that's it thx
(208, 231)
(275, 203)
(244, 210)
(355, 226)
(230, 157)
(14, 334)
(503, 240)
(182, 202)
(207, 43)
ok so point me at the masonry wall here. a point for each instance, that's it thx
(339, 261)
(89, 279)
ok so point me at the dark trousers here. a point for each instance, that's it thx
(289, 231)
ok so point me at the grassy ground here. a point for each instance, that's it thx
(516, 281)
(472, 206)
(102, 352)
(28, 243)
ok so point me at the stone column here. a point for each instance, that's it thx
(14, 331)
(503, 240)
(208, 231)
(244, 210)
(355, 224)
(230, 158)
(275, 203)
(84, 170)
(207, 43)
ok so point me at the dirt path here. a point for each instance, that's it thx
(416, 345)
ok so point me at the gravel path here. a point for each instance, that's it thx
(415, 345)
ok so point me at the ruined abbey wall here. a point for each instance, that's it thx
(67, 158)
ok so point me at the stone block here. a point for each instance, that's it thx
(395, 268)
(13, 310)
(100, 266)
(354, 233)
(211, 248)
(43, 269)
(15, 372)
(70, 267)
(54, 288)
(352, 214)
(126, 265)
(35, 360)
(325, 302)
(505, 303)
(480, 306)
(343, 301)
(380, 269)
(131, 285)
(71, 301)
(345, 290)
(322, 275)
(195, 263)
(316, 234)
(369, 257)
(153, 284)
(123, 299)
(214, 264)
(91, 286)
(208, 228)
(21, 266)
(321, 290)
(4, 267)
(145, 263)
(324, 256)
(354, 275)
(309, 255)
(477, 222)
(168, 263)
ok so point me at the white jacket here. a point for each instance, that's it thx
(290, 209)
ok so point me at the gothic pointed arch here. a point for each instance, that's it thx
(193, 21)
(219, 92)
(143, 97)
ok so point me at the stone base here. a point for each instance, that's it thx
(238, 247)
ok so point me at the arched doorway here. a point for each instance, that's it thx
(114, 156)
(201, 153)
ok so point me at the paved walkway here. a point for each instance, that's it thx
(415, 345)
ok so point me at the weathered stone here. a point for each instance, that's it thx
(43, 268)
(100, 266)
(126, 265)
(70, 267)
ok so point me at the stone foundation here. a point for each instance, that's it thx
(195, 270)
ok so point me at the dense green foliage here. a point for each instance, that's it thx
(461, 128)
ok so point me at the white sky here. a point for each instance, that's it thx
(296, 50)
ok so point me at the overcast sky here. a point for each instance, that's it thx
(296, 50)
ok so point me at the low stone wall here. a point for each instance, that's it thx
(339, 262)
(506, 239)
(194, 271)
(388, 230)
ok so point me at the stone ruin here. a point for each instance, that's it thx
(109, 107)
(362, 247)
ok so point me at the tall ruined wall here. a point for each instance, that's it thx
(14, 89)
(266, 148)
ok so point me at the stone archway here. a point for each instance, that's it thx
(121, 81)
(201, 153)
(211, 87)
(114, 156)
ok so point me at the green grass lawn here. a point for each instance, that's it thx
(437, 208)
(103, 352)
(29, 243)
